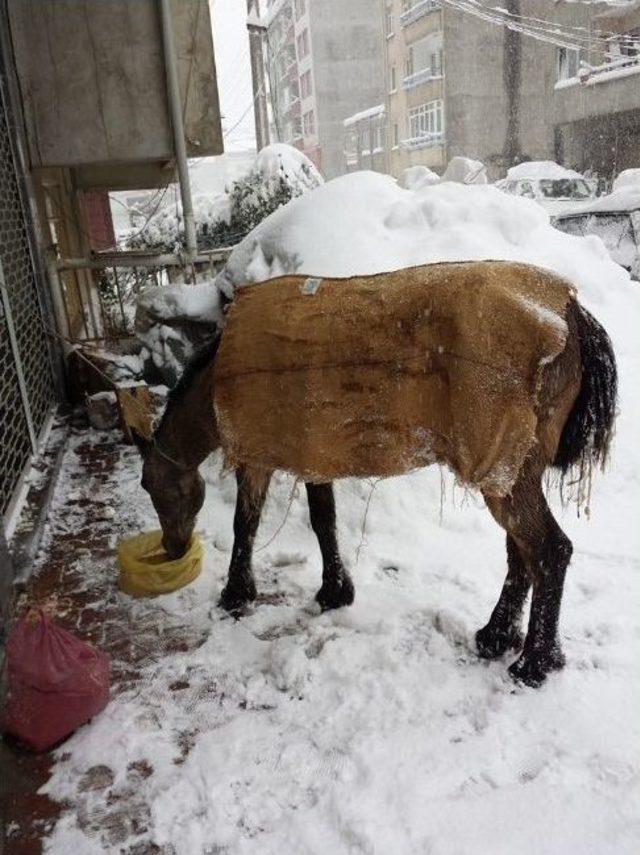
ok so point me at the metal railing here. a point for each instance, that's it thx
(415, 12)
(422, 76)
(107, 298)
(424, 141)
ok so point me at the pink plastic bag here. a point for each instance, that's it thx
(55, 682)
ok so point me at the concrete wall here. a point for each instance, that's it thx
(498, 88)
(346, 49)
(93, 80)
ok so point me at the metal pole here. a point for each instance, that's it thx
(256, 31)
(173, 93)
(8, 316)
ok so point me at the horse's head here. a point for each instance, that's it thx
(177, 493)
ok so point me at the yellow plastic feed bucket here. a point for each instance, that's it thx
(145, 570)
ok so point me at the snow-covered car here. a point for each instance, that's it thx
(615, 219)
(553, 186)
(628, 179)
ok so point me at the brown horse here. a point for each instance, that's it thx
(575, 404)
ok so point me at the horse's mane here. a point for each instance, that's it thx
(200, 360)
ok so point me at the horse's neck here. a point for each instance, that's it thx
(188, 433)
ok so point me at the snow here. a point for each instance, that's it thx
(193, 302)
(280, 159)
(418, 177)
(626, 198)
(165, 319)
(541, 169)
(465, 171)
(376, 729)
(366, 223)
(628, 179)
(371, 113)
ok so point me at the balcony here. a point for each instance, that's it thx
(422, 76)
(424, 141)
(418, 10)
(598, 90)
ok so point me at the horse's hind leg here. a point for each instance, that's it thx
(241, 587)
(503, 631)
(546, 552)
(337, 587)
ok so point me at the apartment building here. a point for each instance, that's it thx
(461, 84)
(323, 63)
(415, 76)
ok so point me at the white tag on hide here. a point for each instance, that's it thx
(310, 286)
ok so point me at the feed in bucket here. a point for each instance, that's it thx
(146, 571)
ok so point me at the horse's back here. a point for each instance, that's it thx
(377, 375)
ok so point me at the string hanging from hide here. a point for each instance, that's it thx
(292, 496)
(364, 518)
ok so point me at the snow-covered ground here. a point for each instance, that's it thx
(376, 729)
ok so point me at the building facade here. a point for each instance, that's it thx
(415, 83)
(464, 83)
(323, 61)
(596, 93)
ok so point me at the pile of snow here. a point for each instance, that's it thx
(418, 177)
(464, 170)
(284, 161)
(173, 322)
(365, 223)
(545, 169)
(628, 179)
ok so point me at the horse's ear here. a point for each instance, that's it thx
(142, 442)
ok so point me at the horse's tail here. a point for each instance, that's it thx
(588, 431)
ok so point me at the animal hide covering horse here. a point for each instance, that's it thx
(378, 375)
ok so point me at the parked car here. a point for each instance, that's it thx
(615, 219)
(551, 185)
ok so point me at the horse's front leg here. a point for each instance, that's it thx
(337, 587)
(241, 587)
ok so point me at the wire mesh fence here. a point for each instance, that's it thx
(23, 319)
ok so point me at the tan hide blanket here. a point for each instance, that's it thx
(378, 375)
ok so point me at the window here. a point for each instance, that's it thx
(388, 21)
(568, 63)
(392, 79)
(425, 56)
(306, 86)
(427, 120)
(408, 63)
(300, 8)
(630, 43)
(303, 44)
(309, 124)
(378, 138)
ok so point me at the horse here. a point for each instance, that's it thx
(576, 406)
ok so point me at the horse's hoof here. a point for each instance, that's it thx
(492, 643)
(236, 598)
(532, 668)
(337, 594)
